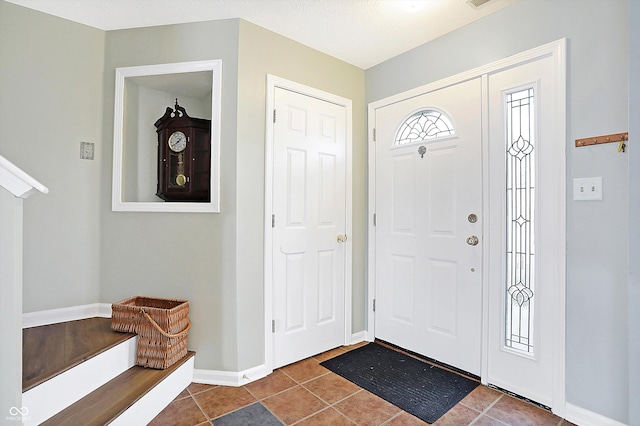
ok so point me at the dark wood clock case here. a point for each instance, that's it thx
(196, 157)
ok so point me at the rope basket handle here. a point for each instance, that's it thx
(164, 333)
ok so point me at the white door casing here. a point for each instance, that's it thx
(428, 277)
(552, 219)
(307, 199)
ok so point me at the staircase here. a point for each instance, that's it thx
(83, 373)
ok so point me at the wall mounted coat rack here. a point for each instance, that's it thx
(620, 138)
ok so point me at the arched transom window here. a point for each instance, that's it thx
(424, 125)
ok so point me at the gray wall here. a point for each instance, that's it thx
(177, 255)
(634, 213)
(597, 232)
(50, 101)
(263, 52)
(58, 90)
(57, 87)
(220, 265)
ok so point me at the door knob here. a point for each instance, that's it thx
(472, 240)
(342, 238)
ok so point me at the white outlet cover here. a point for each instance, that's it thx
(587, 189)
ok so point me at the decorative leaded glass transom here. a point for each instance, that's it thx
(520, 208)
(424, 125)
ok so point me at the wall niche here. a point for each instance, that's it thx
(142, 95)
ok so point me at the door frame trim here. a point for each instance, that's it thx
(272, 83)
(557, 50)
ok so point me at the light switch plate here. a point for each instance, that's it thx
(587, 189)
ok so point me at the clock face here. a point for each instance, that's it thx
(177, 141)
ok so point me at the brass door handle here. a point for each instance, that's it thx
(472, 240)
(342, 238)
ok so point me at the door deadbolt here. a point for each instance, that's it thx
(472, 218)
(472, 240)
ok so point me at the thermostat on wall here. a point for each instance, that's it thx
(86, 150)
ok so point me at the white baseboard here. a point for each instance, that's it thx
(230, 378)
(72, 313)
(359, 337)
(583, 417)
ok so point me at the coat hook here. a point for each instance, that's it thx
(622, 145)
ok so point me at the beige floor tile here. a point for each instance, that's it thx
(222, 400)
(515, 412)
(272, 384)
(294, 404)
(480, 398)
(181, 412)
(331, 387)
(305, 393)
(326, 417)
(487, 421)
(458, 416)
(305, 370)
(184, 394)
(365, 408)
(330, 354)
(195, 388)
(405, 419)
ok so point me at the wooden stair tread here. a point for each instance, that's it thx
(103, 405)
(55, 348)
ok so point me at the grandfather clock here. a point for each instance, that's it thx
(184, 156)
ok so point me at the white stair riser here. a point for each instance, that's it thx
(152, 403)
(57, 393)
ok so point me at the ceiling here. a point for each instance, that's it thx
(363, 33)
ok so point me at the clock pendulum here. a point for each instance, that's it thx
(181, 178)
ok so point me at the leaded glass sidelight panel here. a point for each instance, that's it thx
(520, 220)
(424, 125)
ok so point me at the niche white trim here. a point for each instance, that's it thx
(118, 202)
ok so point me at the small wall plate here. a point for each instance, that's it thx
(87, 150)
(587, 189)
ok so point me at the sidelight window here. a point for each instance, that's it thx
(520, 215)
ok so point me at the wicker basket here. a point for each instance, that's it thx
(162, 326)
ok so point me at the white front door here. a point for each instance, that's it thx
(434, 299)
(526, 234)
(309, 250)
(428, 205)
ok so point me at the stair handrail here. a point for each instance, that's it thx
(18, 182)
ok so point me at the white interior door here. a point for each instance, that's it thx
(428, 205)
(526, 277)
(309, 242)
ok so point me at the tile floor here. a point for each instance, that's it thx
(305, 393)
